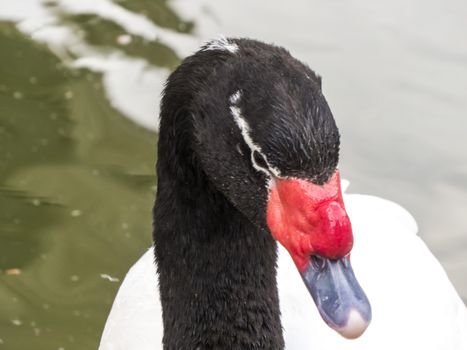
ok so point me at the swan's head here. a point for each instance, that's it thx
(268, 141)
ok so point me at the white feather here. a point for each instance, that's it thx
(245, 131)
(414, 304)
(222, 44)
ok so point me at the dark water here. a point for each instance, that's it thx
(76, 171)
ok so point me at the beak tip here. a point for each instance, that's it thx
(355, 327)
(340, 300)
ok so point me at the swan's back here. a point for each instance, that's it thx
(414, 304)
(135, 320)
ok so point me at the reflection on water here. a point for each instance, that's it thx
(76, 190)
(77, 173)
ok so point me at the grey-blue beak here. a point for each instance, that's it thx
(341, 301)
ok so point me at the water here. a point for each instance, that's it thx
(78, 106)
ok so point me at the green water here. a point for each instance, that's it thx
(76, 191)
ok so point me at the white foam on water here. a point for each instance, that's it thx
(20, 10)
(208, 21)
(132, 85)
(133, 23)
(132, 79)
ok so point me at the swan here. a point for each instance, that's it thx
(247, 156)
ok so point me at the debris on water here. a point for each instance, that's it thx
(13, 272)
(69, 95)
(75, 213)
(77, 313)
(74, 278)
(109, 278)
(35, 329)
(18, 95)
(16, 322)
(124, 39)
(36, 202)
(33, 80)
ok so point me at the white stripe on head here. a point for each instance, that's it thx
(245, 132)
(222, 44)
(235, 98)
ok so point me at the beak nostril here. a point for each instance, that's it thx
(318, 262)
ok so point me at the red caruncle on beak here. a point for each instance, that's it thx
(309, 219)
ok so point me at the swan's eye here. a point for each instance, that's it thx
(259, 160)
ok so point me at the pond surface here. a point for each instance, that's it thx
(79, 88)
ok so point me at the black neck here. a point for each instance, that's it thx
(217, 272)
